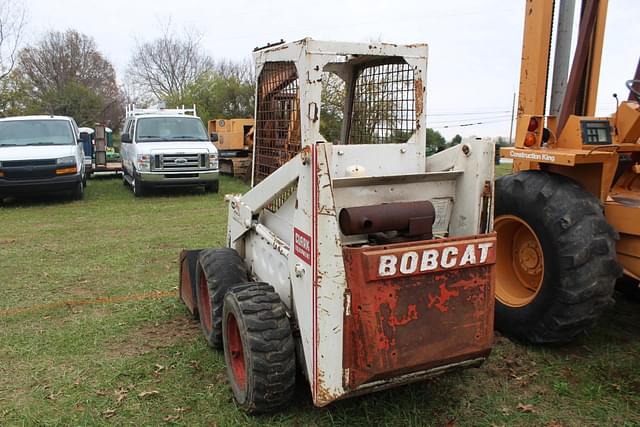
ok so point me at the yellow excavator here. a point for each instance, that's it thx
(568, 218)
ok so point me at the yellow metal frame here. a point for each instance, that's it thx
(594, 167)
(231, 135)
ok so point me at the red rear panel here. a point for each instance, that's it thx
(417, 306)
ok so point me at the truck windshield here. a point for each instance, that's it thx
(152, 129)
(36, 132)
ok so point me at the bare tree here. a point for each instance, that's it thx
(166, 66)
(12, 22)
(68, 75)
(62, 58)
(242, 71)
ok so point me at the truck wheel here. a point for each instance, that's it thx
(78, 191)
(556, 261)
(217, 271)
(258, 348)
(211, 187)
(138, 187)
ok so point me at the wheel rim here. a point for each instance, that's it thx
(204, 303)
(520, 262)
(236, 351)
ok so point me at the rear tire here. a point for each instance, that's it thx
(556, 266)
(258, 348)
(217, 271)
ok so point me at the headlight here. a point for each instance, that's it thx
(66, 160)
(144, 162)
(213, 160)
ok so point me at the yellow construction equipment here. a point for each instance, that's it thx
(568, 218)
(234, 140)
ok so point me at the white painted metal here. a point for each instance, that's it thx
(298, 248)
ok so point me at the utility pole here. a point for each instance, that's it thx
(513, 110)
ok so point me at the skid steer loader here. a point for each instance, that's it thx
(358, 260)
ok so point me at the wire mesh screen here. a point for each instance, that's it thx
(384, 105)
(278, 136)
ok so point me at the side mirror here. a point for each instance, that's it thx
(125, 137)
(214, 136)
(79, 141)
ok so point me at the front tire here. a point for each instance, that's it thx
(556, 260)
(211, 187)
(139, 189)
(78, 191)
(259, 349)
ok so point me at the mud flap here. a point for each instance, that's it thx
(187, 285)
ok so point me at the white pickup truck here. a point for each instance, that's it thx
(41, 154)
(167, 148)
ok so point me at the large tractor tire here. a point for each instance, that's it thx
(217, 271)
(556, 259)
(258, 348)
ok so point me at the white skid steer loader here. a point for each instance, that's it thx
(353, 257)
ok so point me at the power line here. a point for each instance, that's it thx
(438, 122)
(470, 124)
(468, 113)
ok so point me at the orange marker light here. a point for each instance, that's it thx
(66, 171)
(530, 139)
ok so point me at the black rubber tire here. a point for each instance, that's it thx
(78, 191)
(221, 269)
(580, 267)
(267, 346)
(211, 187)
(139, 189)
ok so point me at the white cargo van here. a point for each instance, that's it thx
(167, 148)
(40, 154)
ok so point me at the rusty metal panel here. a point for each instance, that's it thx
(187, 285)
(278, 136)
(416, 306)
(383, 104)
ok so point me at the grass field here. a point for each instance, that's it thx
(92, 333)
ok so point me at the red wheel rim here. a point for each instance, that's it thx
(204, 303)
(236, 352)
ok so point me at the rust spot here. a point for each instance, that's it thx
(419, 96)
(440, 301)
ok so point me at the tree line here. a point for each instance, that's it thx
(64, 73)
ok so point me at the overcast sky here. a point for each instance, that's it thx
(474, 46)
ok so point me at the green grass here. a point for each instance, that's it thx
(503, 169)
(88, 364)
